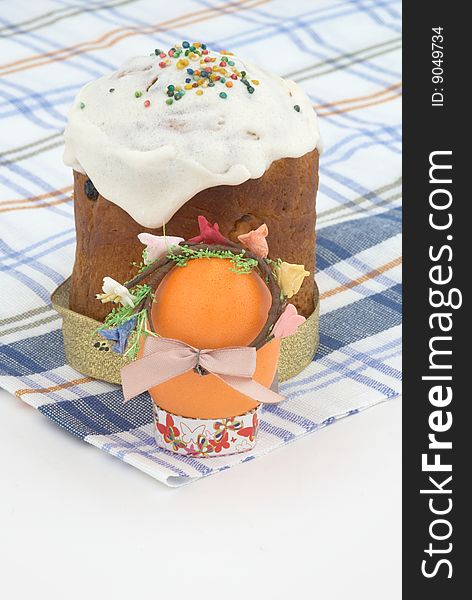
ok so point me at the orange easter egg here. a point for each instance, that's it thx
(207, 305)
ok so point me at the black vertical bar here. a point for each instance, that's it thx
(437, 117)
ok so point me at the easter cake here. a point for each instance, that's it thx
(183, 133)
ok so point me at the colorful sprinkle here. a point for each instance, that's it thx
(147, 103)
(138, 93)
(296, 107)
(211, 68)
(182, 63)
(82, 105)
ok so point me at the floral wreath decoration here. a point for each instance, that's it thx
(125, 324)
(129, 325)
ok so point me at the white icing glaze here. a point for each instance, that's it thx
(150, 161)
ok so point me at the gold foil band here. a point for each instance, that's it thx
(90, 354)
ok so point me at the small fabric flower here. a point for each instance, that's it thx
(290, 278)
(288, 322)
(209, 234)
(119, 334)
(115, 292)
(256, 241)
(157, 245)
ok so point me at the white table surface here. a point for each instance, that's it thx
(320, 518)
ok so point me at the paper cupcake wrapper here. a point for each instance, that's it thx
(204, 438)
(91, 354)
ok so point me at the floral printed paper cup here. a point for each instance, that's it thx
(202, 438)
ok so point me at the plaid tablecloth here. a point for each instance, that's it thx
(346, 55)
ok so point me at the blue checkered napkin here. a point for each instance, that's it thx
(346, 55)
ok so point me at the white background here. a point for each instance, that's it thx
(320, 518)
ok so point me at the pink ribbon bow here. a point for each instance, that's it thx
(165, 359)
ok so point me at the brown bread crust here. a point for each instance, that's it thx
(283, 198)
